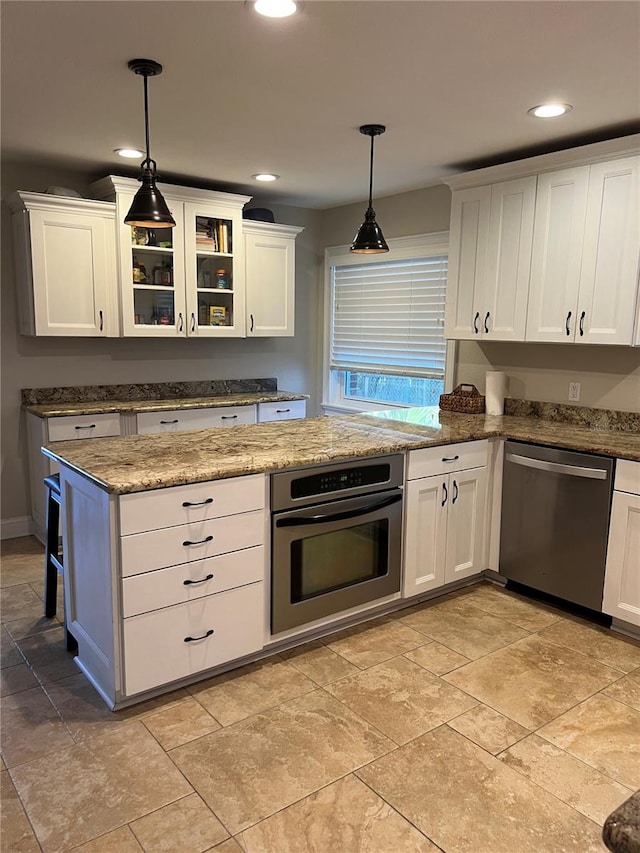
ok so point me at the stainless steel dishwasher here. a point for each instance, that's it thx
(555, 521)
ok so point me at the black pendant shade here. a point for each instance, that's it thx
(369, 239)
(148, 209)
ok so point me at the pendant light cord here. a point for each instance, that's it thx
(148, 161)
(371, 175)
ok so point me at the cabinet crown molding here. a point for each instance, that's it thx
(21, 201)
(250, 226)
(106, 187)
(626, 146)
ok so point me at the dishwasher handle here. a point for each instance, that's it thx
(557, 467)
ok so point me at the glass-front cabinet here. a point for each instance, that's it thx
(214, 269)
(186, 281)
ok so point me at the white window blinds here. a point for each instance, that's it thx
(388, 317)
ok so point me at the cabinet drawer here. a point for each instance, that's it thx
(627, 477)
(156, 549)
(446, 458)
(190, 504)
(156, 649)
(282, 411)
(165, 587)
(83, 426)
(179, 419)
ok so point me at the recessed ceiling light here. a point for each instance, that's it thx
(275, 8)
(265, 176)
(550, 110)
(130, 153)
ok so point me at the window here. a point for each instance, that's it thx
(384, 342)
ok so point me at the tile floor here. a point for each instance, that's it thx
(481, 722)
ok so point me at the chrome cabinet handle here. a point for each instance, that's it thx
(202, 580)
(455, 492)
(101, 320)
(181, 322)
(195, 639)
(174, 421)
(198, 503)
(566, 325)
(88, 426)
(450, 458)
(475, 323)
(251, 315)
(445, 493)
(486, 328)
(187, 542)
(582, 316)
(193, 322)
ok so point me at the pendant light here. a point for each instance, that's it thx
(148, 209)
(369, 239)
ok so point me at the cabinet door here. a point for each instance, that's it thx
(622, 575)
(470, 211)
(425, 535)
(561, 204)
(270, 284)
(214, 270)
(609, 275)
(152, 275)
(503, 303)
(73, 267)
(466, 524)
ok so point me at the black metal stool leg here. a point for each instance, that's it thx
(51, 554)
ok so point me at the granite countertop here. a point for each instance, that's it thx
(621, 830)
(140, 462)
(96, 407)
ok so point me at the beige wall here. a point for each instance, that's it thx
(29, 362)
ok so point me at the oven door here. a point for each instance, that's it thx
(333, 556)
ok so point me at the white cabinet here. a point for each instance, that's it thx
(288, 411)
(186, 281)
(269, 253)
(178, 419)
(622, 576)
(41, 431)
(584, 272)
(165, 599)
(489, 257)
(65, 259)
(444, 516)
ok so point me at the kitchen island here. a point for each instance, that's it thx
(167, 535)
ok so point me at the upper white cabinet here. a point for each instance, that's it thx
(550, 254)
(489, 257)
(269, 254)
(584, 273)
(186, 281)
(65, 260)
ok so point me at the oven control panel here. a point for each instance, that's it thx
(336, 481)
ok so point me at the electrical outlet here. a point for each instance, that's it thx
(574, 392)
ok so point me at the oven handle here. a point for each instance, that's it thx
(338, 516)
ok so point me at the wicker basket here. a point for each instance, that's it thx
(464, 398)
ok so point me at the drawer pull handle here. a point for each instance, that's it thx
(174, 421)
(199, 542)
(228, 417)
(450, 458)
(282, 411)
(195, 639)
(88, 426)
(202, 580)
(198, 503)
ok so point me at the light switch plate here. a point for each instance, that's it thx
(574, 392)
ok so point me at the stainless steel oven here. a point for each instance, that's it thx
(336, 538)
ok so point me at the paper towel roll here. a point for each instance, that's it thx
(496, 386)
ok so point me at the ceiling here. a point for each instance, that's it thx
(240, 93)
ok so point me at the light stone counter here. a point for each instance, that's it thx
(141, 462)
(95, 407)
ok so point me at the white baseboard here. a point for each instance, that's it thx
(12, 528)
